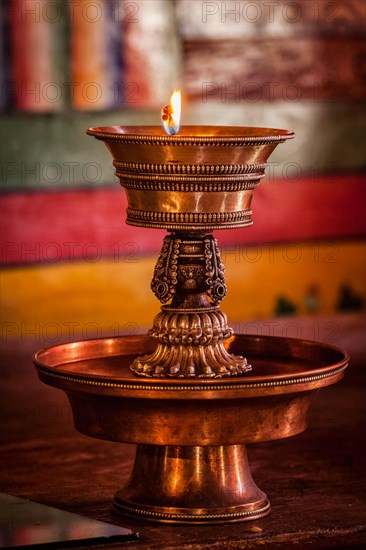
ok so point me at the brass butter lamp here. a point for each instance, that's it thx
(191, 394)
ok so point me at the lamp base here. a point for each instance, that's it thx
(175, 484)
(191, 464)
(190, 345)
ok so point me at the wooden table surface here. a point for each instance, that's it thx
(315, 481)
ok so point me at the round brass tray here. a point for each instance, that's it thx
(191, 463)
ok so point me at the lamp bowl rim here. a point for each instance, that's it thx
(192, 135)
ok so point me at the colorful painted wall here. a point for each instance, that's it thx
(70, 267)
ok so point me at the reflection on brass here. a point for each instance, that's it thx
(198, 180)
(185, 394)
(191, 464)
(181, 477)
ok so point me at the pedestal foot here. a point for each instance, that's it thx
(174, 484)
(190, 345)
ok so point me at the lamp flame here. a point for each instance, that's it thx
(170, 115)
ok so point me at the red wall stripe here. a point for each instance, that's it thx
(47, 226)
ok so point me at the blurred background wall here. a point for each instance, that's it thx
(70, 267)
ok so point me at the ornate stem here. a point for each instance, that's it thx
(191, 331)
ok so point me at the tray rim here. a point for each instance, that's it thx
(246, 382)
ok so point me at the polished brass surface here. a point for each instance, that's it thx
(199, 484)
(191, 183)
(191, 429)
(109, 402)
(200, 179)
(186, 395)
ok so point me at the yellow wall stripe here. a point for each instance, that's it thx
(49, 302)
